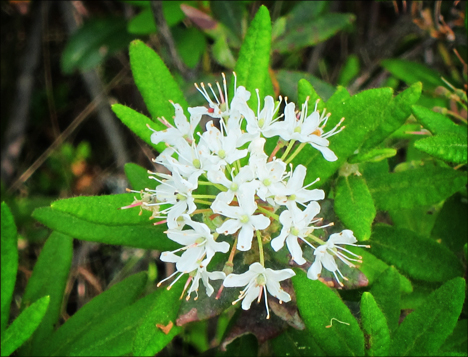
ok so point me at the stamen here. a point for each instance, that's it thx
(266, 303)
(170, 276)
(225, 91)
(310, 184)
(258, 103)
(214, 94)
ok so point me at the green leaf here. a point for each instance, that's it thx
(24, 326)
(150, 339)
(354, 205)
(339, 339)
(294, 342)
(222, 53)
(360, 112)
(436, 123)
(397, 190)
(155, 82)
(305, 12)
(288, 81)
(423, 332)
(49, 278)
(372, 268)
(451, 147)
(190, 43)
(143, 23)
(96, 40)
(388, 295)
(457, 341)
(374, 155)
(349, 70)
(243, 346)
(114, 335)
(230, 14)
(311, 33)
(9, 261)
(138, 176)
(306, 90)
(411, 72)
(254, 56)
(421, 258)
(106, 304)
(374, 327)
(145, 235)
(419, 219)
(395, 115)
(138, 123)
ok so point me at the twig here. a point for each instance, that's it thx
(14, 135)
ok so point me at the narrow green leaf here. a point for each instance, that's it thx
(294, 342)
(411, 72)
(190, 43)
(138, 123)
(421, 258)
(9, 261)
(254, 56)
(457, 341)
(372, 267)
(374, 327)
(49, 278)
(305, 12)
(349, 70)
(155, 82)
(436, 123)
(423, 332)
(109, 302)
(24, 326)
(288, 81)
(397, 190)
(388, 295)
(451, 147)
(138, 177)
(306, 90)
(150, 339)
(394, 116)
(143, 23)
(374, 155)
(311, 33)
(339, 339)
(145, 236)
(354, 205)
(230, 14)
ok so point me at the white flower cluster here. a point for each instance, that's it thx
(230, 156)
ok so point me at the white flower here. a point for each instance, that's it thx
(262, 124)
(324, 255)
(245, 175)
(270, 175)
(258, 280)
(296, 224)
(241, 217)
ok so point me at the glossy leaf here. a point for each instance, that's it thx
(395, 115)
(155, 82)
(420, 258)
(294, 342)
(150, 338)
(300, 35)
(102, 306)
(339, 339)
(254, 56)
(93, 42)
(397, 190)
(388, 295)
(49, 278)
(423, 332)
(24, 326)
(374, 327)
(451, 147)
(354, 205)
(145, 235)
(9, 261)
(411, 72)
(373, 155)
(436, 123)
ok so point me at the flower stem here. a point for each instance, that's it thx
(203, 202)
(268, 213)
(204, 196)
(260, 247)
(278, 146)
(288, 149)
(298, 150)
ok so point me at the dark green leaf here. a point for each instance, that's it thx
(300, 35)
(104, 305)
(436, 123)
(24, 326)
(305, 12)
(411, 72)
(423, 332)
(296, 343)
(349, 70)
(288, 81)
(421, 258)
(138, 176)
(373, 155)
(254, 56)
(451, 147)
(9, 261)
(354, 205)
(149, 338)
(339, 339)
(155, 82)
(93, 42)
(374, 327)
(191, 44)
(230, 14)
(244, 346)
(305, 91)
(388, 295)
(457, 341)
(397, 190)
(394, 116)
(419, 219)
(143, 23)
(49, 278)
(145, 236)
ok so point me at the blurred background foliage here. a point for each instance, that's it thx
(64, 63)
